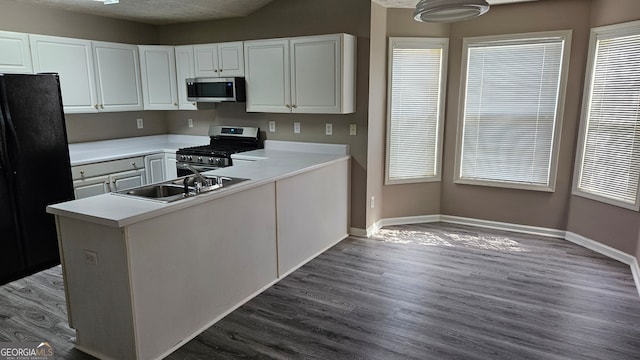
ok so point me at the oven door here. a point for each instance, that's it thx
(184, 171)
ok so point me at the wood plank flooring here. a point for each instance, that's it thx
(424, 291)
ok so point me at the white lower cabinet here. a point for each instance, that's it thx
(127, 179)
(90, 187)
(107, 176)
(154, 166)
(160, 167)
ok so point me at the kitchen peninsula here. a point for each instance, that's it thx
(143, 277)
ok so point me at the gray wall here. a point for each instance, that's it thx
(610, 225)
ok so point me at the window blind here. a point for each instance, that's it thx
(417, 68)
(610, 165)
(510, 113)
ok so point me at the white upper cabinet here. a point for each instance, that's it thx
(185, 69)
(158, 71)
(72, 59)
(311, 74)
(268, 75)
(14, 53)
(219, 60)
(117, 76)
(231, 59)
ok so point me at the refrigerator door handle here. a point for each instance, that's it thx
(8, 127)
(4, 150)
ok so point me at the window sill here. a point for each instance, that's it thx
(606, 200)
(506, 185)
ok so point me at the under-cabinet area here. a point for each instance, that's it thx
(206, 255)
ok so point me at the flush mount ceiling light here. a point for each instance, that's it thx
(449, 10)
(107, 2)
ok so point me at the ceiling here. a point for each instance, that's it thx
(175, 11)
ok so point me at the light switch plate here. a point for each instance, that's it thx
(296, 127)
(140, 123)
(272, 126)
(190, 122)
(353, 129)
(328, 129)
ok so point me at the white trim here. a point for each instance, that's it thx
(577, 239)
(524, 229)
(607, 251)
(408, 220)
(635, 270)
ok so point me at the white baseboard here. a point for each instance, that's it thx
(524, 229)
(393, 221)
(534, 230)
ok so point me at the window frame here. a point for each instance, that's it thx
(566, 35)
(426, 43)
(620, 30)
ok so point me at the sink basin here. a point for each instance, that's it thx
(173, 190)
(157, 191)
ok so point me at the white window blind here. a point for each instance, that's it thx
(609, 156)
(417, 69)
(511, 110)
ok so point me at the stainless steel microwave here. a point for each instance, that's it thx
(216, 89)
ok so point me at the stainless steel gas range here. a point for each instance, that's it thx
(224, 141)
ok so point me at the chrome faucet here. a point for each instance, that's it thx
(203, 180)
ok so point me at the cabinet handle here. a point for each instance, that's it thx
(294, 106)
(133, 163)
(81, 172)
(96, 106)
(175, 104)
(288, 106)
(101, 106)
(220, 70)
(194, 104)
(216, 70)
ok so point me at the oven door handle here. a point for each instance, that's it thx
(200, 168)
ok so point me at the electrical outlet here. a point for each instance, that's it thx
(353, 129)
(140, 123)
(272, 126)
(190, 122)
(90, 256)
(373, 202)
(296, 127)
(328, 129)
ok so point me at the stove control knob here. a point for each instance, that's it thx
(199, 158)
(190, 157)
(211, 160)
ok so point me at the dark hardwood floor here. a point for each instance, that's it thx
(425, 291)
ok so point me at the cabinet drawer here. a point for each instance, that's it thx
(106, 167)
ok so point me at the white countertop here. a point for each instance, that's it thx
(273, 165)
(97, 151)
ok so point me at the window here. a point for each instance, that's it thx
(511, 108)
(417, 73)
(608, 159)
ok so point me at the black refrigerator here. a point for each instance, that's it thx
(34, 172)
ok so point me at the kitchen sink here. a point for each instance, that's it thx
(180, 188)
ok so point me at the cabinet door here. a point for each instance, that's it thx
(171, 171)
(267, 73)
(72, 59)
(14, 53)
(315, 74)
(206, 60)
(231, 59)
(91, 186)
(158, 71)
(185, 69)
(127, 179)
(117, 76)
(154, 167)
